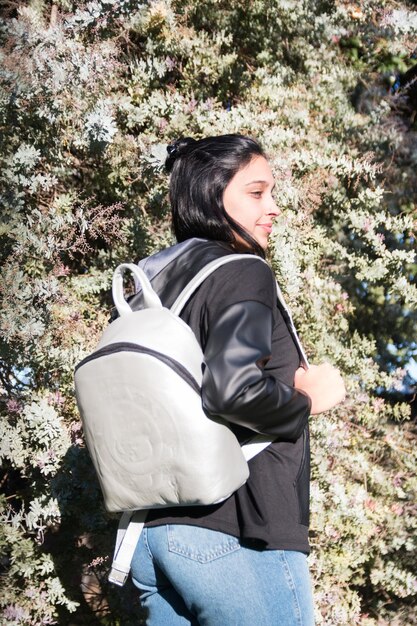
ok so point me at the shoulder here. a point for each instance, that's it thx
(241, 280)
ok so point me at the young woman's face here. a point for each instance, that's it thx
(248, 199)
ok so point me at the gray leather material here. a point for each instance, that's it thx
(235, 385)
(152, 452)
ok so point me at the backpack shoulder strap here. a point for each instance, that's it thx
(259, 442)
(201, 276)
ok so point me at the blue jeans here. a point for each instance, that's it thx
(195, 576)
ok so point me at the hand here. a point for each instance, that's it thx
(323, 384)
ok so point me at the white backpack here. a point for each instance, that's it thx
(139, 396)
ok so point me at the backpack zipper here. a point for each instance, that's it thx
(125, 346)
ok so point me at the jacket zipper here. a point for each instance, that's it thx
(125, 346)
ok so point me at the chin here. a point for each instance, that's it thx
(263, 243)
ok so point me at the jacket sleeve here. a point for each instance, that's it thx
(235, 385)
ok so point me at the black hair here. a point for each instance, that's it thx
(200, 172)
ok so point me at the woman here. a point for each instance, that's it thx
(243, 561)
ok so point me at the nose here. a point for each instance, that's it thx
(273, 210)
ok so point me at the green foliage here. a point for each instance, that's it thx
(89, 96)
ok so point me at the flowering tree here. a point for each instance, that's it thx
(89, 96)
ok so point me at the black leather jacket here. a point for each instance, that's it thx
(235, 384)
(241, 385)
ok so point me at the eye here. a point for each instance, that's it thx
(256, 194)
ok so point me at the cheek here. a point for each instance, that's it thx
(230, 203)
(232, 209)
(240, 209)
(245, 218)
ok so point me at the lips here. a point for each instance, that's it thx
(267, 227)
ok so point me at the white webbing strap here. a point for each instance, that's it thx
(256, 445)
(132, 522)
(292, 326)
(128, 533)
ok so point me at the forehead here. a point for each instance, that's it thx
(257, 170)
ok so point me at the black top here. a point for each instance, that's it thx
(271, 510)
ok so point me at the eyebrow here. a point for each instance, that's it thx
(262, 182)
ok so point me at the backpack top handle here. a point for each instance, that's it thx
(150, 297)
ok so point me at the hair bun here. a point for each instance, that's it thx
(176, 149)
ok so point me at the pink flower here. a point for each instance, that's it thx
(76, 430)
(397, 508)
(13, 405)
(370, 504)
(61, 270)
(56, 398)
